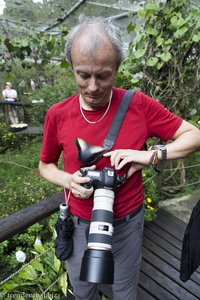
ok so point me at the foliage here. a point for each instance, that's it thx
(25, 241)
(163, 57)
(38, 275)
(41, 47)
(8, 140)
(62, 87)
(150, 194)
(53, 84)
(20, 184)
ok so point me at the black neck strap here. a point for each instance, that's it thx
(109, 141)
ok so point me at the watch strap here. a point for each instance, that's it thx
(163, 150)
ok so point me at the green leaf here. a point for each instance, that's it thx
(159, 40)
(139, 53)
(8, 286)
(168, 42)
(152, 6)
(152, 31)
(131, 27)
(24, 43)
(64, 64)
(37, 266)
(178, 21)
(135, 80)
(63, 283)
(28, 273)
(141, 13)
(56, 263)
(196, 38)
(180, 32)
(22, 83)
(159, 65)
(39, 249)
(166, 56)
(152, 61)
(193, 112)
(174, 22)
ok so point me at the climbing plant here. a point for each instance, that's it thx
(163, 57)
(34, 48)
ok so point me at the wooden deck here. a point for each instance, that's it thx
(159, 275)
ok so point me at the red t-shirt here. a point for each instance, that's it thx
(145, 118)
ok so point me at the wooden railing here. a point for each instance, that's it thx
(162, 244)
(4, 106)
(19, 221)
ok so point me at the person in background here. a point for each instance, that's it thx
(10, 95)
(33, 85)
(95, 51)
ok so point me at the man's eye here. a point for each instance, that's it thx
(83, 75)
(103, 76)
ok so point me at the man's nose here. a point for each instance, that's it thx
(93, 84)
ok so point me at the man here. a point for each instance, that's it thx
(10, 95)
(94, 49)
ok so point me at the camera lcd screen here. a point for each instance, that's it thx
(94, 174)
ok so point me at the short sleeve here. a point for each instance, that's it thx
(160, 121)
(51, 150)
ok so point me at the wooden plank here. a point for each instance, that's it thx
(31, 130)
(161, 253)
(165, 283)
(144, 295)
(167, 216)
(167, 257)
(16, 103)
(171, 229)
(152, 288)
(163, 243)
(170, 223)
(165, 235)
(169, 275)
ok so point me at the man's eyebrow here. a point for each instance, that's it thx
(98, 73)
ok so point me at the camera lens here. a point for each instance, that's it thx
(101, 227)
(98, 264)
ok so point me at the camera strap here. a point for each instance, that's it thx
(109, 141)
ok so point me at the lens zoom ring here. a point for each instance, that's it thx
(102, 215)
(100, 238)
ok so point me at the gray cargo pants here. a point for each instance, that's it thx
(127, 252)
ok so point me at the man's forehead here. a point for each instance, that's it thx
(91, 39)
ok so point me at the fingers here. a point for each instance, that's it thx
(119, 158)
(76, 184)
(133, 168)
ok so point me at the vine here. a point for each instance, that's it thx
(163, 56)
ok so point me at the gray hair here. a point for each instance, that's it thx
(110, 30)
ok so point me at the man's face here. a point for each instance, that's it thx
(94, 72)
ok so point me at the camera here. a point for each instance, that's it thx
(98, 263)
(106, 178)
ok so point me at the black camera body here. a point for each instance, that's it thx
(107, 178)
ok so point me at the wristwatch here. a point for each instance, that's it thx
(163, 150)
